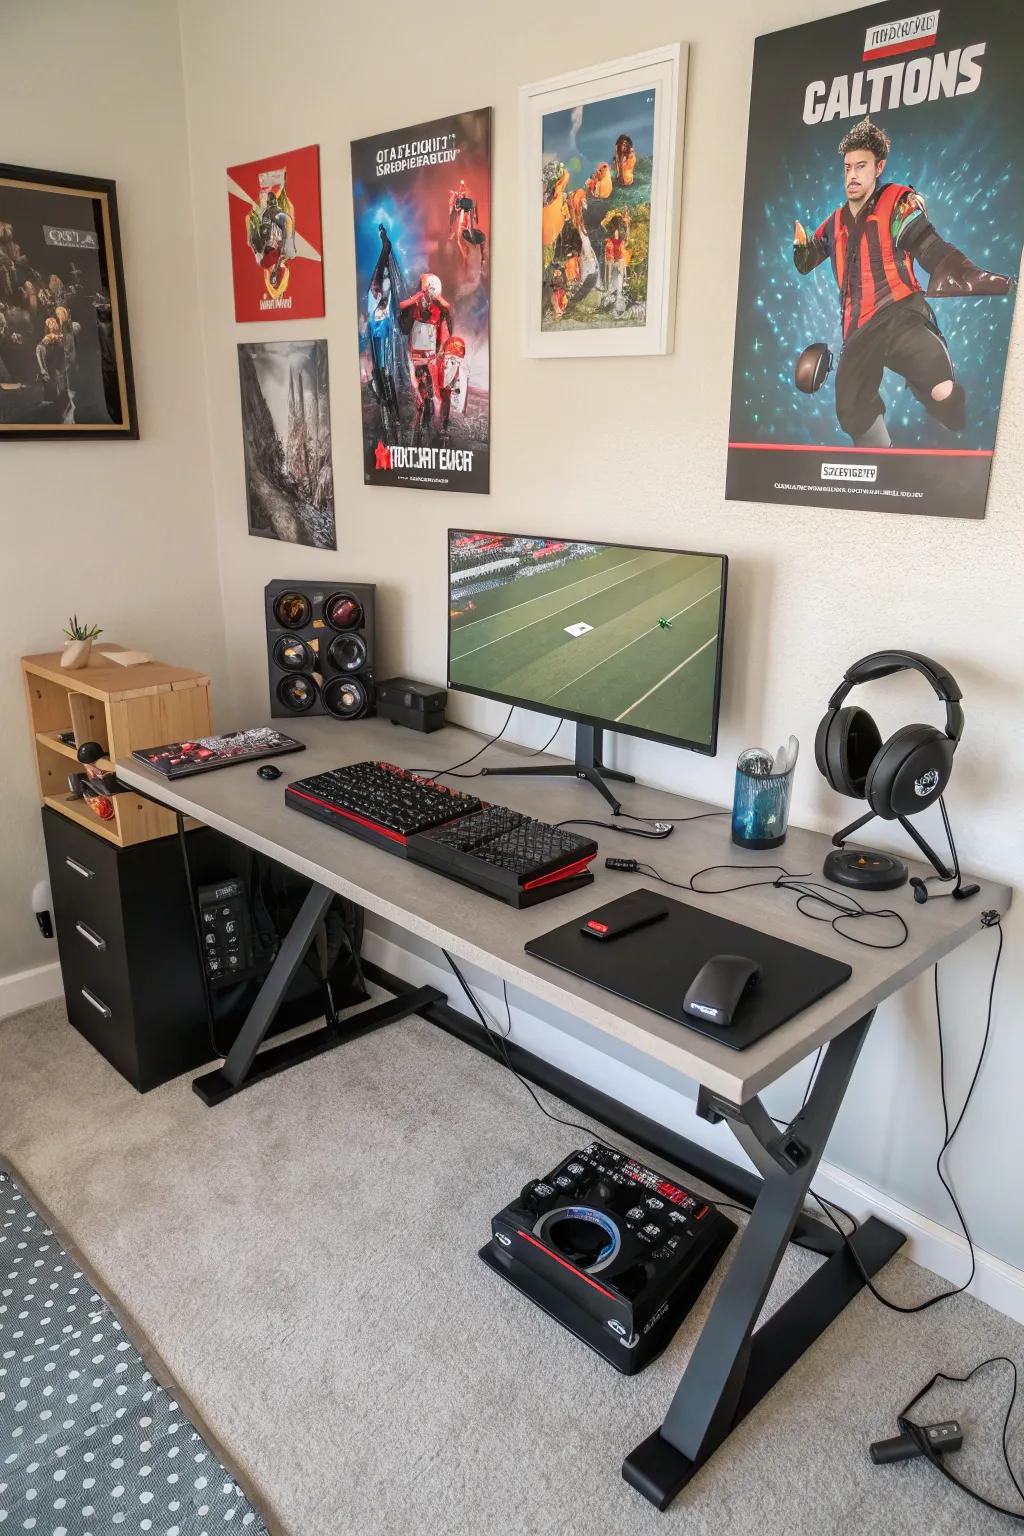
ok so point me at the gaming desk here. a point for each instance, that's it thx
(733, 1363)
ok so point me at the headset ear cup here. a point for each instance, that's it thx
(849, 742)
(820, 744)
(910, 771)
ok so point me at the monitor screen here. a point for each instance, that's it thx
(608, 634)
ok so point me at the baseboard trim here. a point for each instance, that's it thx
(25, 989)
(929, 1243)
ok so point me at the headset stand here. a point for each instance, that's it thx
(586, 765)
(839, 840)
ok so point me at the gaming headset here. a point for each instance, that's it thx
(904, 774)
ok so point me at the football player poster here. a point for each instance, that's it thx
(276, 241)
(882, 230)
(422, 206)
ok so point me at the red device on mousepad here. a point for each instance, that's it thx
(653, 964)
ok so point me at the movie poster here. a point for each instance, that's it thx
(422, 204)
(286, 432)
(882, 230)
(276, 242)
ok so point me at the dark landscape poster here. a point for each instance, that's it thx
(65, 359)
(882, 229)
(286, 430)
(422, 207)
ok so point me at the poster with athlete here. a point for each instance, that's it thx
(882, 230)
(422, 209)
(276, 240)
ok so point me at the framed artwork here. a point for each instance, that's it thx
(65, 358)
(276, 237)
(421, 205)
(601, 150)
(286, 432)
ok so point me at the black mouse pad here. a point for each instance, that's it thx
(654, 967)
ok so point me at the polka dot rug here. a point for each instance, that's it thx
(90, 1444)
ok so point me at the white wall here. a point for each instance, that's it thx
(121, 533)
(810, 589)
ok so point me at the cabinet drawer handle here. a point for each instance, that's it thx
(90, 937)
(79, 869)
(95, 1002)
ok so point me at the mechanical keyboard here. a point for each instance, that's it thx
(506, 854)
(379, 802)
(499, 851)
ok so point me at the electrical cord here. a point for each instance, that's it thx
(989, 920)
(960, 892)
(495, 1036)
(842, 905)
(907, 1426)
(658, 830)
(437, 773)
(449, 773)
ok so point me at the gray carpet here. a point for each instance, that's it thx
(302, 1262)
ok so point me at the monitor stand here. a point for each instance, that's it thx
(587, 765)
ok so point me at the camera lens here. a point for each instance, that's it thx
(292, 610)
(346, 698)
(343, 611)
(293, 655)
(347, 653)
(297, 693)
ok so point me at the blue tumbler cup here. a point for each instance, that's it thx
(760, 804)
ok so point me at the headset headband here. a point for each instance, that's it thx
(884, 663)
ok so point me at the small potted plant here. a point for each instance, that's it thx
(79, 643)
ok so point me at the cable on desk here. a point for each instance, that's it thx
(658, 829)
(438, 773)
(841, 904)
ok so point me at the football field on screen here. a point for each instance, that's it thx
(586, 637)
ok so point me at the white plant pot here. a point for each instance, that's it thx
(76, 654)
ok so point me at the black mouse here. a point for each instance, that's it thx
(268, 771)
(719, 986)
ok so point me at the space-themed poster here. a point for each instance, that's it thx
(422, 211)
(882, 228)
(276, 240)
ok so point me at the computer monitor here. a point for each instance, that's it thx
(614, 636)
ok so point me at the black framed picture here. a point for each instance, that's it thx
(65, 358)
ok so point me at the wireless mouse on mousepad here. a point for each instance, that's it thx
(656, 965)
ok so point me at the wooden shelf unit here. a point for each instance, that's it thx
(123, 708)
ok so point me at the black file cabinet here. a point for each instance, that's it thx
(132, 981)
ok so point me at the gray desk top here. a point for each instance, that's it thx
(484, 931)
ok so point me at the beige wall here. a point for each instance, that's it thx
(121, 533)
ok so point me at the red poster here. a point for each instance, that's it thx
(276, 240)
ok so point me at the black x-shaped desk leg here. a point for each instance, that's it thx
(732, 1365)
(247, 1064)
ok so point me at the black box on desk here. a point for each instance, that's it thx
(417, 705)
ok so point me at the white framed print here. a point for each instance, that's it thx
(601, 154)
